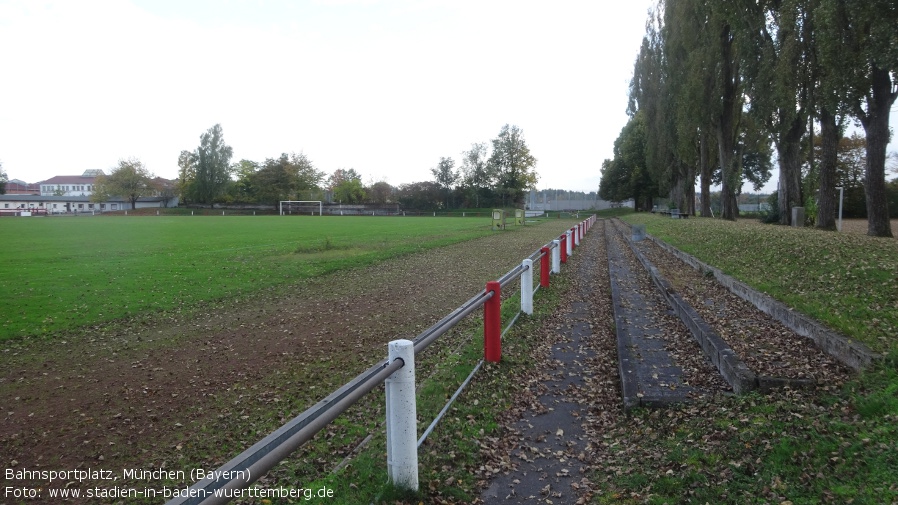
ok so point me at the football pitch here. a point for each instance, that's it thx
(64, 273)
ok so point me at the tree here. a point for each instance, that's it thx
(859, 44)
(420, 195)
(129, 179)
(3, 180)
(478, 177)
(186, 175)
(626, 176)
(779, 85)
(244, 189)
(380, 193)
(445, 176)
(283, 178)
(513, 164)
(347, 186)
(212, 166)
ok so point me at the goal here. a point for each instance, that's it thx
(300, 207)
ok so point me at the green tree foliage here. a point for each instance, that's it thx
(347, 186)
(186, 176)
(212, 167)
(3, 180)
(445, 175)
(243, 189)
(779, 80)
(420, 195)
(282, 178)
(513, 164)
(477, 176)
(129, 179)
(380, 193)
(627, 176)
(858, 43)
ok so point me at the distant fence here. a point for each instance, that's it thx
(398, 372)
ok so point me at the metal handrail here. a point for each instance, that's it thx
(294, 433)
(241, 471)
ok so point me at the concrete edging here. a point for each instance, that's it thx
(848, 351)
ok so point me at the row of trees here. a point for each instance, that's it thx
(502, 174)
(718, 86)
(498, 174)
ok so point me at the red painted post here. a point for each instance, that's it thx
(573, 238)
(564, 248)
(492, 323)
(544, 268)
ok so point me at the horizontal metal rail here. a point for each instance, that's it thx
(266, 453)
(253, 463)
(428, 336)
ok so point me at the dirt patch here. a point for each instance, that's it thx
(859, 226)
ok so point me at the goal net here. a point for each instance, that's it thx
(300, 207)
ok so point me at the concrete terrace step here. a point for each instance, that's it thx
(650, 375)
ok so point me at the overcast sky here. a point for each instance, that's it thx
(383, 86)
(386, 87)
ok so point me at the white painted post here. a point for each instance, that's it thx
(556, 256)
(841, 197)
(402, 432)
(527, 287)
(569, 243)
(577, 235)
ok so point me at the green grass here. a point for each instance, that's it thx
(58, 274)
(849, 282)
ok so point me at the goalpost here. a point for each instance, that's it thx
(300, 207)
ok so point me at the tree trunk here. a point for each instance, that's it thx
(876, 126)
(730, 179)
(788, 149)
(705, 162)
(829, 139)
(689, 190)
(727, 124)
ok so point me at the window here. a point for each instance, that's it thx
(113, 206)
(5, 205)
(102, 206)
(90, 206)
(54, 205)
(80, 205)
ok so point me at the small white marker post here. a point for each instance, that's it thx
(569, 242)
(556, 256)
(841, 197)
(527, 287)
(402, 431)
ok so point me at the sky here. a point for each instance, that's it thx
(386, 87)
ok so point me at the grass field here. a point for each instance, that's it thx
(58, 274)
